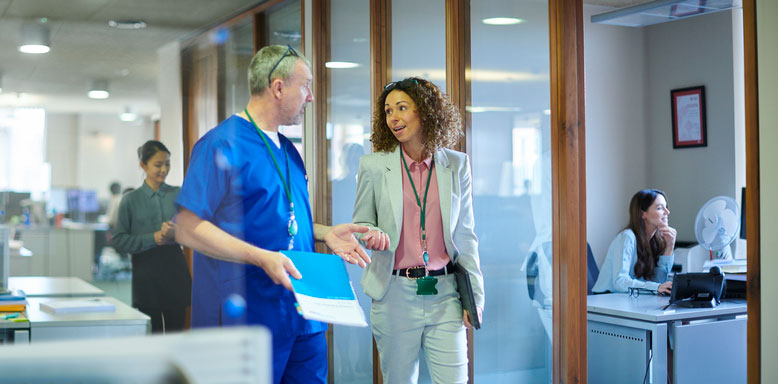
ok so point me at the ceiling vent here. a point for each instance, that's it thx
(660, 11)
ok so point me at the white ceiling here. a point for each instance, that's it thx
(84, 47)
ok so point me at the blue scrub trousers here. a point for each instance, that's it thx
(300, 360)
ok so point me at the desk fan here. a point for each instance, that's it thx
(715, 227)
(717, 223)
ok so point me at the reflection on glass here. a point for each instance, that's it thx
(419, 40)
(348, 131)
(512, 190)
(419, 49)
(238, 51)
(283, 27)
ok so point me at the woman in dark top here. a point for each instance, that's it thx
(161, 283)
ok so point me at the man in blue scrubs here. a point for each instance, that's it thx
(244, 198)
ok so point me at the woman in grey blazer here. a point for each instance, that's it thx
(416, 197)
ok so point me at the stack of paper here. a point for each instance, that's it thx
(77, 306)
(325, 292)
(15, 301)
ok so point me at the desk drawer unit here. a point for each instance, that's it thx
(616, 354)
(710, 351)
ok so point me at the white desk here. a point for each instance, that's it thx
(125, 321)
(54, 287)
(625, 333)
(44, 326)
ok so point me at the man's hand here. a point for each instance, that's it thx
(376, 240)
(279, 267)
(466, 318)
(342, 242)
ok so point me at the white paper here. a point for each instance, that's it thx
(77, 306)
(689, 118)
(335, 311)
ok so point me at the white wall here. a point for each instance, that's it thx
(685, 53)
(767, 53)
(616, 154)
(91, 150)
(171, 106)
(62, 148)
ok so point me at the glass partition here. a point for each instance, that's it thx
(419, 40)
(348, 132)
(512, 188)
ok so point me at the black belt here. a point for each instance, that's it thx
(418, 272)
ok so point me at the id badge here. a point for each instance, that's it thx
(426, 286)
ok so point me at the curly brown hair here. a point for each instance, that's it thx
(441, 123)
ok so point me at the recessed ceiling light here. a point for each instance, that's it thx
(340, 64)
(127, 24)
(480, 109)
(502, 21)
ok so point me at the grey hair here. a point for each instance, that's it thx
(263, 62)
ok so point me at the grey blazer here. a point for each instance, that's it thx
(379, 206)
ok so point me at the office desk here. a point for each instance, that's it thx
(125, 321)
(627, 334)
(54, 287)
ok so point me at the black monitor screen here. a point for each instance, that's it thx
(743, 213)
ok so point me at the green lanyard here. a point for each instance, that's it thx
(423, 208)
(292, 225)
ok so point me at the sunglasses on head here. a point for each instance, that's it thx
(396, 84)
(289, 51)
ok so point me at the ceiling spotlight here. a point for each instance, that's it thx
(35, 38)
(340, 64)
(128, 115)
(127, 24)
(502, 21)
(98, 89)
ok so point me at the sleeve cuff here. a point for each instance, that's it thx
(148, 241)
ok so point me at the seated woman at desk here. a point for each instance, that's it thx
(642, 254)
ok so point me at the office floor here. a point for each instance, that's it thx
(120, 289)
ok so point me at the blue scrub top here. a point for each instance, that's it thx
(232, 182)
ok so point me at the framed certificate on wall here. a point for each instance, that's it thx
(688, 115)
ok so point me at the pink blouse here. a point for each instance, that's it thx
(408, 253)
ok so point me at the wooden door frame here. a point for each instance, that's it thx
(568, 164)
(752, 208)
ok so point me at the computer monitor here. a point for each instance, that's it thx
(743, 213)
(58, 201)
(82, 200)
(11, 203)
(5, 256)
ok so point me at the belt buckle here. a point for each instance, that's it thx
(408, 272)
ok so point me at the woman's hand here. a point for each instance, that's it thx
(376, 240)
(466, 318)
(665, 288)
(159, 238)
(168, 230)
(668, 233)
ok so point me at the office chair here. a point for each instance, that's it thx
(592, 272)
